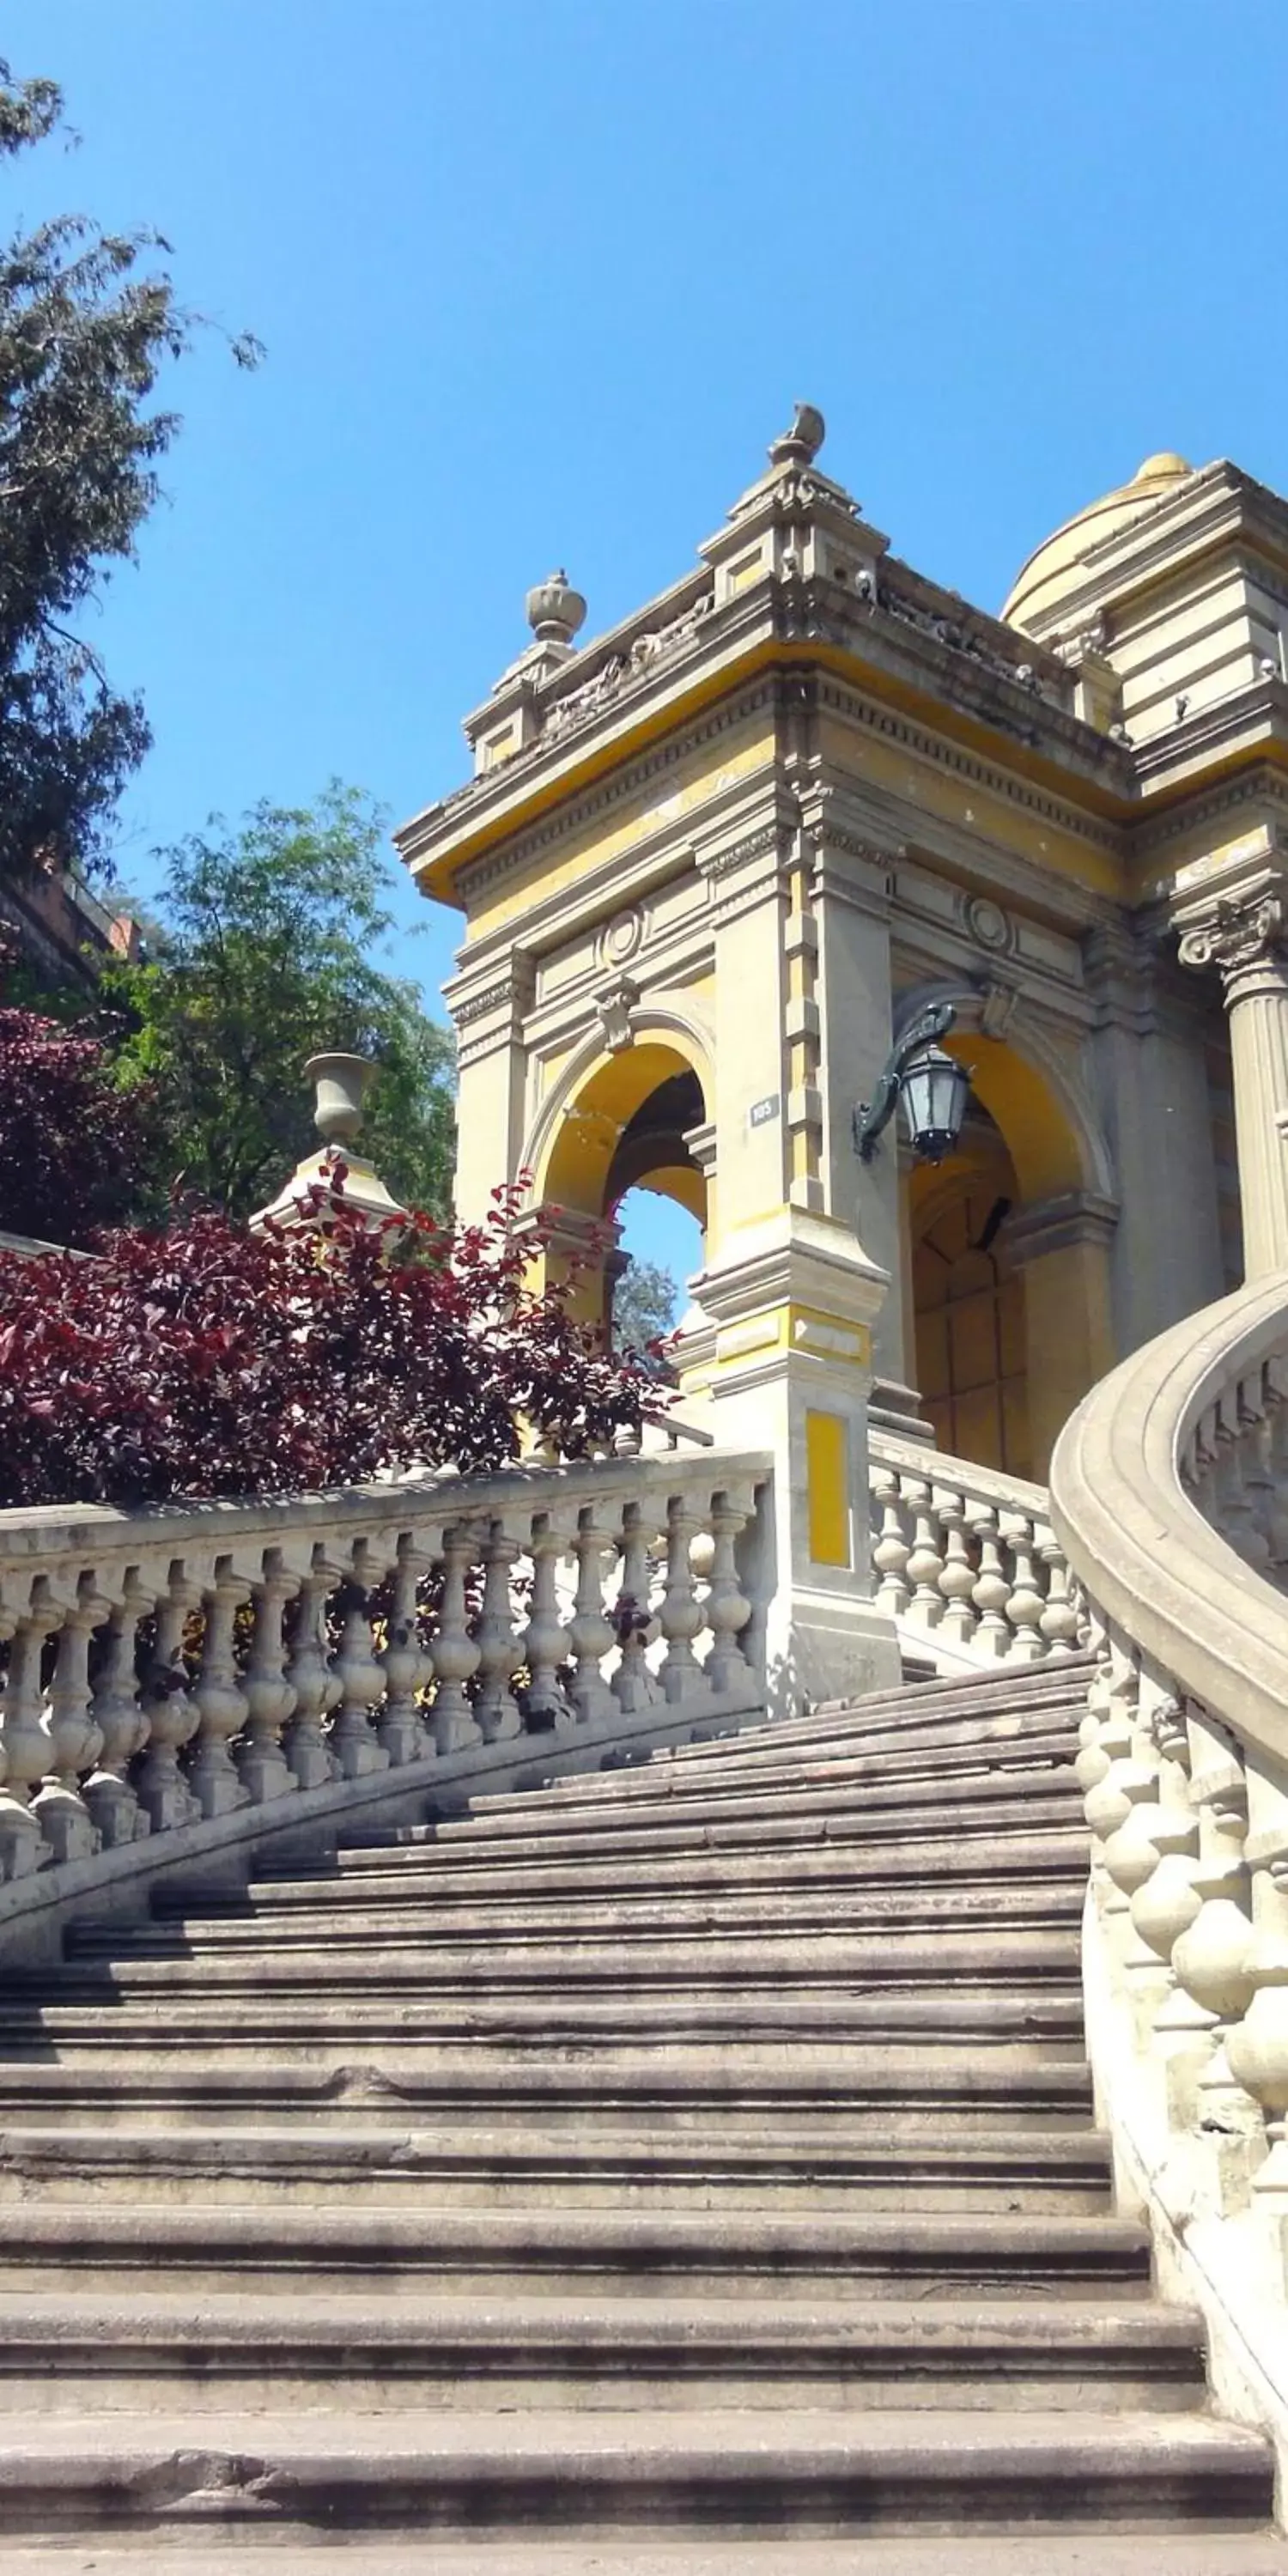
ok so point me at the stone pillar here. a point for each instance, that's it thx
(789, 1306)
(1151, 1081)
(851, 912)
(1240, 925)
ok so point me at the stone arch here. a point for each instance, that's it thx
(1051, 1129)
(598, 1091)
(1056, 1231)
(617, 1118)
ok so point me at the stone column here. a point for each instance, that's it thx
(1241, 927)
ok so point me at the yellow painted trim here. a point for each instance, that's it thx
(827, 1456)
(436, 876)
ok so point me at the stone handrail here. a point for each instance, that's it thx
(1169, 1491)
(970, 1569)
(182, 1679)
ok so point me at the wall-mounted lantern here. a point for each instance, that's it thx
(932, 1086)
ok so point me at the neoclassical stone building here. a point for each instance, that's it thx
(712, 863)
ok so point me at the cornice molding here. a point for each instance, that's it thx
(943, 753)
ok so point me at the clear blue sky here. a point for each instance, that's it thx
(538, 283)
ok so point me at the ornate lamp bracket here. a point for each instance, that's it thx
(872, 1117)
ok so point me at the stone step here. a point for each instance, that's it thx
(843, 2096)
(971, 2170)
(418, 1868)
(694, 2471)
(577, 2251)
(1012, 1808)
(423, 1919)
(1084, 2552)
(760, 1773)
(923, 1798)
(676, 1962)
(1031, 2029)
(137, 2349)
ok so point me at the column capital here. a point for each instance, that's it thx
(1239, 925)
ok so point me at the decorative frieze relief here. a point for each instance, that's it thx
(636, 659)
(987, 924)
(478, 874)
(476, 1006)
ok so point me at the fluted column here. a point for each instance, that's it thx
(1244, 934)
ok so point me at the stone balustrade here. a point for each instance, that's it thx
(1169, 1491)
(183, 1676)
(966, 1561)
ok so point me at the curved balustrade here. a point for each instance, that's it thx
(166, 1669)
(1169, 1492)
(968, 1565)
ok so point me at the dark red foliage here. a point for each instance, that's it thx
(209, 1361)
(73, 1149)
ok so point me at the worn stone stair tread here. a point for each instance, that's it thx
(1064, 2553)
(782, 2074)
(685, 1962)
(873, 1798)
(903, 2469)
(1041, 2024)
(313, 2238)
(1053, 1806)
(420, 1869)
(795, 1916)
(786, 2321)
(831, 1768)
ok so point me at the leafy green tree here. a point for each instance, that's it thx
(644, 1303)
(269, 937)
(87, 321)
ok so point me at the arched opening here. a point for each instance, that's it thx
(625, 1135)
(969, 1306)
(1008, 1268)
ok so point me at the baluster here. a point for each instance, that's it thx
(1166, 1901)
(313, 1676)
(406, 1661)
(221, 1702)
(1133, 1847)
(1277, 1422)
(682, 1616)
(543, 1637)
(1024, 1604)
(891, 1551)
(1212, 1960)
(1059, 1620)
(1232, 1509)
(23, 1742)
(72, 1741)
(270, 1697)
(728, 1608)
(455, 1653)
(591, 1633)
(121, 1720)
(957, 1581)
(1255, 1402)
(1258, 2046)
(170, 1709)
(992, 1642)
(356, 1749)
(925, 1560)
(633, 1684)
(1092, 1759)
(500, 1647)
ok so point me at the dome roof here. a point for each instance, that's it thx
(1055, 567)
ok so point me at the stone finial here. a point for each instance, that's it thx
(554, 610)
(342, 1082)
(800, 444)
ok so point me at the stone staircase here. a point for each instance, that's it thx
(685, 2167)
